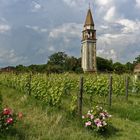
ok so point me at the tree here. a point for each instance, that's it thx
(129, 67)
(119, 68)
(37, 68)
(58, 58)
(71, 63)
(21, 68)
(104, 65)
(54, 69)
(61, 62)
(137, 60)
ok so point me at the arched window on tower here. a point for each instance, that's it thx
(88, 34)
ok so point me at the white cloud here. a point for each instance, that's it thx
(35, 6)
(9, 57)
(68, 29)
(75, 3)
(129, 25)
(111, 14)
(108, 54)
(51, 48)
(4, 28)
(117, 44)
(104, 2)
(37, 28)
(138, 3)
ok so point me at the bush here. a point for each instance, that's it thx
(96, 119)
(7, 119)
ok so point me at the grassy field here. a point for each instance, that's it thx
(45, 123)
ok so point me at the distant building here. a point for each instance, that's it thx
(7, 69)
(137, 71)
(137, 68)
(88, 50)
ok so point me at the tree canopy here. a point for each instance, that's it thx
(61, 62)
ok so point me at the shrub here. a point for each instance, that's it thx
(96, 119)
(8, 118)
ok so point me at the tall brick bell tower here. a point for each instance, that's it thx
(88, 50)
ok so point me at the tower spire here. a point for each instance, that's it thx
(89, 19)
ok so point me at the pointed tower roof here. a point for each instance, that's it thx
(89, 19)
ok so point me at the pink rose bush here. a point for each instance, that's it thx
(8, 118)
(96, 119)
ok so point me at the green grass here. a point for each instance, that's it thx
(44, 123)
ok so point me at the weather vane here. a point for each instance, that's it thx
(89, 5)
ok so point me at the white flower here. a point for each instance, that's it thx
(83, 117)
(104, 123)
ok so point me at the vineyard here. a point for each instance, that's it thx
(53, 89)
(50, 104)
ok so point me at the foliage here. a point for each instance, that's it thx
(104, 65)
(137, 59)
(96, 119)
(119, 68)
(52, 89)
(7, 119)
(60, 62)
(0, 101)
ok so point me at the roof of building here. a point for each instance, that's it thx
(137, 68)
(89, 19)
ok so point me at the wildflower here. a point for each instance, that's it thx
(104, 123)
(9, 121)
(91, 117)
(102, 114)
(101, 108)
(98, 122)
(99, 125)
(88, 123)
(89, 112)
(96, 118)
(7, 111)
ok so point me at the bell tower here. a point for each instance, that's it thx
(88, 50)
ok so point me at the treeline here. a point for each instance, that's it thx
(60, 62)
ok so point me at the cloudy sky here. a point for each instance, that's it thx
(32, 30)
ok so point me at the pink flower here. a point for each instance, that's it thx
(7, 111)
(102, 114)
(88, 123)
(105, 115)
(91, 117)
(9, 121)
(98, 122)
(99, 125)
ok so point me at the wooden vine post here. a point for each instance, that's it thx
(80, 97)
(126, 87)
(110, 90)
(30, 80)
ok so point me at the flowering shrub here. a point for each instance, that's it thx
(8, 118)
(96, 119)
